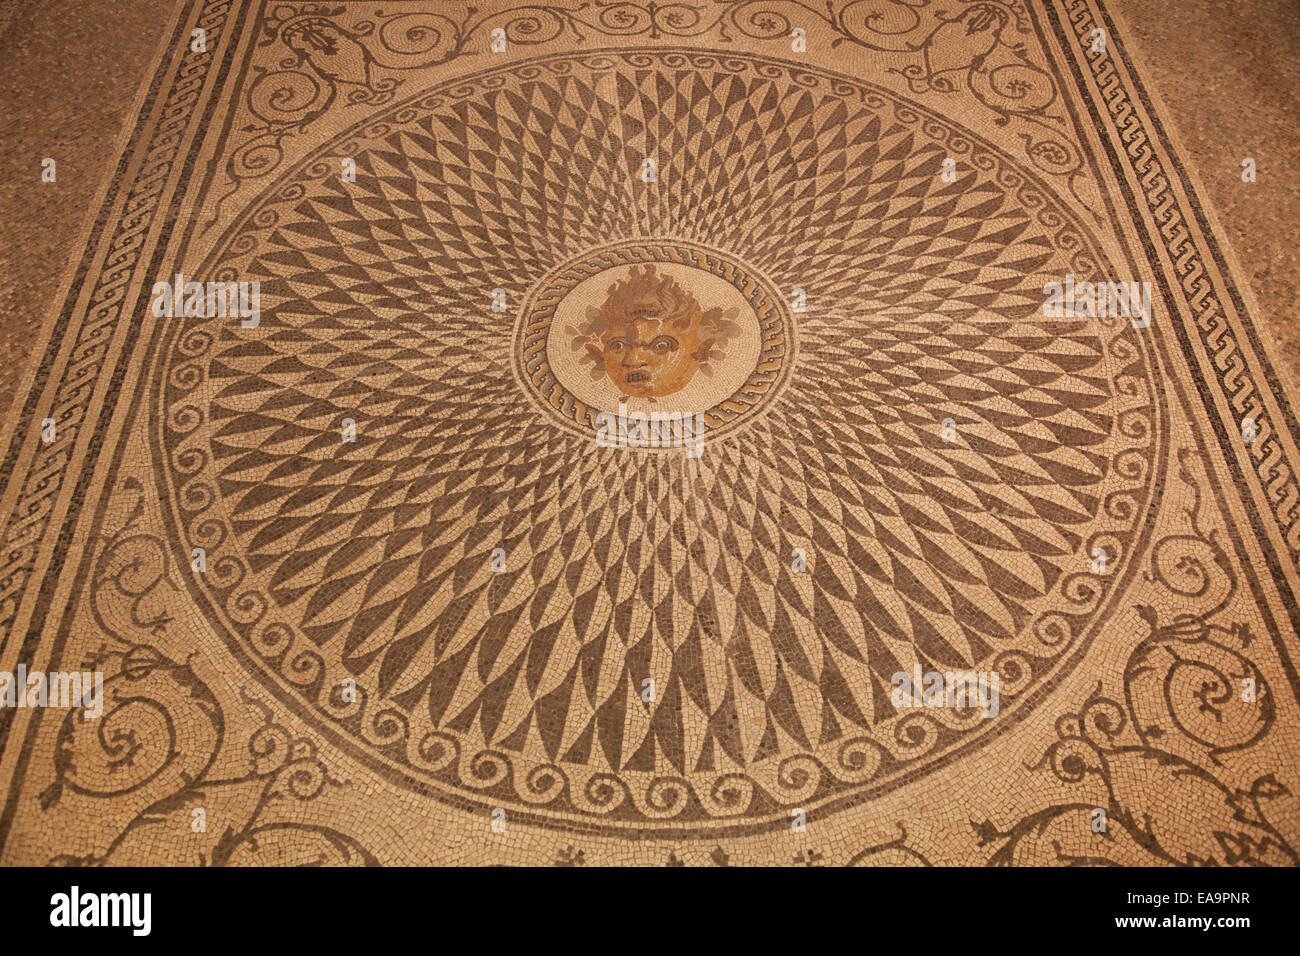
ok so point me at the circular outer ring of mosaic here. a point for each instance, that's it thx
(329, 563)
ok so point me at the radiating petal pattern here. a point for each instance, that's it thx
(945, 457)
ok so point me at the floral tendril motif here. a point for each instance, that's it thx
(163, 734)
(977, 48)
(1190, 696)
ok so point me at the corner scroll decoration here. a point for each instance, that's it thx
(161, 753)
(1154, 760)
(978, 47)
(325, 58)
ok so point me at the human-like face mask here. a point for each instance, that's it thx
(651, 343)
(650, 357)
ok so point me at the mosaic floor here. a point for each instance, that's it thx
(712, 434)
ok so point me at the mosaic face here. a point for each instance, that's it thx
(651, 335)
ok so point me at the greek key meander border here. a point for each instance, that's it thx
(153, 153)
(1277, 477)
(43, 483)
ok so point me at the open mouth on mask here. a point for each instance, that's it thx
(636, 378)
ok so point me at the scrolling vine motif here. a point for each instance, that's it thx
(978, 47)
(161, 749)
(1153, 761)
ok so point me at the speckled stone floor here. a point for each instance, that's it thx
(390, 572)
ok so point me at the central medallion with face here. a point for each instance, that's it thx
(653, 327)
(651, 336)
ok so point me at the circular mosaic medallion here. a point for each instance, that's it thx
(401, 488)
(657, 329)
